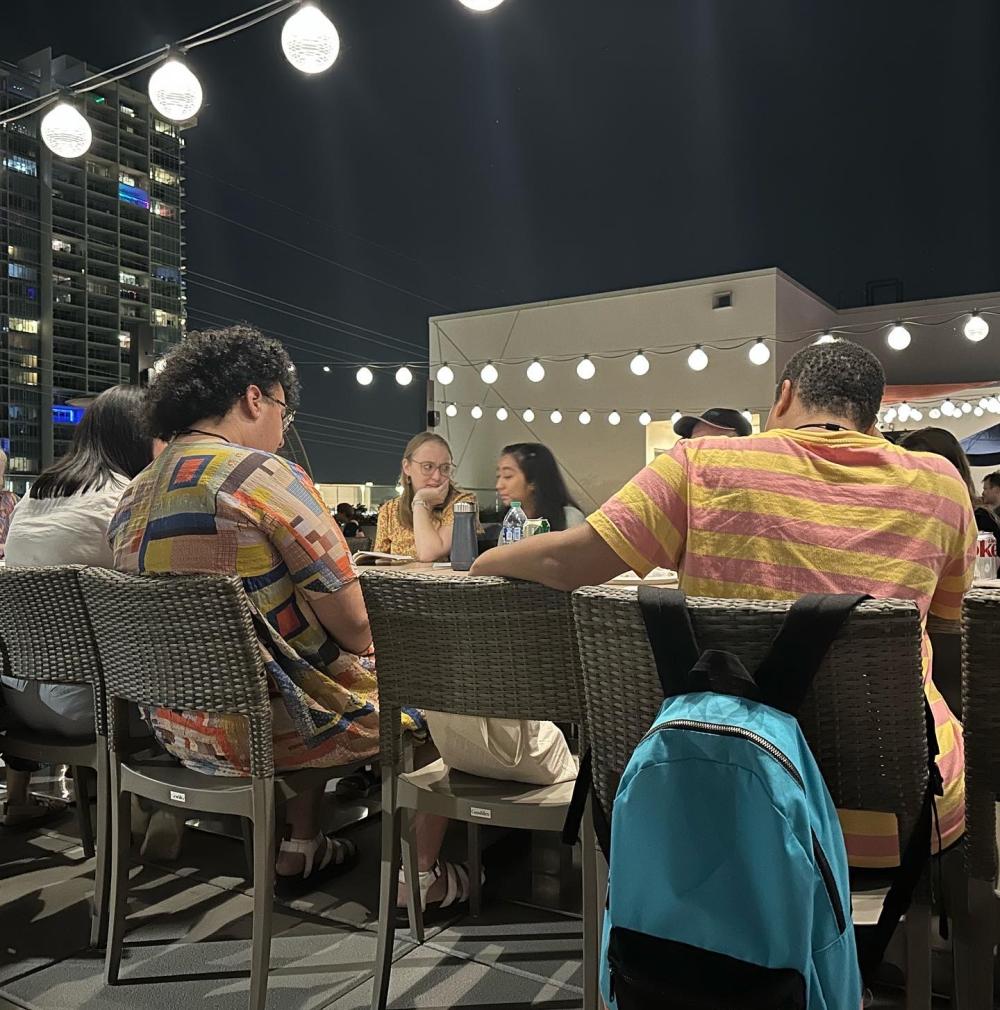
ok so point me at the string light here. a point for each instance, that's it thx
(555, 417)
(404, 376)
(614, 418)
(993, 405)
(978, 412)
(645, 417)
(528, 415)
(502, 413)
(760, 353)
(445, 375)
(948, 408)
(983, 401)
(899, 337)
(175, 92)
(890, 415)
(698, 359)
(584, 417)
(451, 410)
(903, 412)
(966, 408)
(976, 328)
(536, 371)
(639, 365)
(310, 40)
(481, 6)
(365, 376)
(825, 338)
(585, 368)
(934, 413)
(916, 415)
(65, 131)
(476, 412)
(748, 416)
(489, 374)
(326, 368)
(675, 416)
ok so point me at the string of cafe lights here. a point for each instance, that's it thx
(556, 415)
(309, 40)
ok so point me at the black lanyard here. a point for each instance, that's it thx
(198, 431)
(826, 426)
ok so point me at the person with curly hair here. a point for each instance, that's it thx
(219, 500)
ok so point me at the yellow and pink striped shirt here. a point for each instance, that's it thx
(784, 513)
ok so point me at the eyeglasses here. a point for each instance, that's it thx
(427, 468)
(287, 416)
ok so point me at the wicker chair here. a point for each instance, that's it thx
(472, 646)
(864, 719)
(976, 935)
(188, 642)
(45, 636)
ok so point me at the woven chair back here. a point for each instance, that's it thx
(864, 718)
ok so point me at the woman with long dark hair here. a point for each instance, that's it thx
(527, 472)
(64, 520)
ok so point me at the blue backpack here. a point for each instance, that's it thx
(728, 885)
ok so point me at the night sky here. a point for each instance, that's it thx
(452, 161)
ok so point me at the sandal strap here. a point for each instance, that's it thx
(457, 875)
(335, 850)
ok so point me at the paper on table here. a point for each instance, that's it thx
(393, 559)
(657, 576)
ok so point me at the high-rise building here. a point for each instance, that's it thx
(91, 257)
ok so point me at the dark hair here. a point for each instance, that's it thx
(547, 485)
(993, 479)
(345, 507)
(109, 441)
(841, 377)
(205, 374)
(942, 443)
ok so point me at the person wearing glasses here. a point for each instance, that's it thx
(219, 500)
(420, 521)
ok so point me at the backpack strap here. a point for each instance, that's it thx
(574, 814)
(671, 637)
(787, 671)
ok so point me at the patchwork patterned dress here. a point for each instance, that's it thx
(208, 506)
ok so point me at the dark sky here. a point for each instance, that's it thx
(561, 147)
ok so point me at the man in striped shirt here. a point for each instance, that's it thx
(819, 502)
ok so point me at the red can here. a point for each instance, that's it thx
(986, 556)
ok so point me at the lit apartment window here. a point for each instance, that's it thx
(163, 209)
(127, 110)
(58, 245)
(161, 127)
(161, 318)
(129, 180)
(124, 341)
(24, 325)
(22, 464)
(21, 377)
(162, 175)
(26, 166)
(24, 273)
(133, 195)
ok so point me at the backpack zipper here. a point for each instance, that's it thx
(721, 729)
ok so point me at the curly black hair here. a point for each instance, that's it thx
(205, 374)
(841, 377)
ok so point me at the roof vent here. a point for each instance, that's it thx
(722, 300)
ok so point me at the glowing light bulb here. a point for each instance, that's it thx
(934, 413)
(698, 360)
(915, 415)
(639, 365)
(675, 416)
(993, 405)
(983, 401)
(481, 6)
(890, 415)
(476, 412)
(175, 92)
(645, 417)
(760, 353)
(978, 412)
(585, 368)
(976, 328)
(614, 418)
(489, 374)
(748, 416)
(365, 376)
(326, 368)
(451, 410)
(903, 411)
(825, 338)
(536, 371)
(584, 417)
(555, 417)
(445, 375)
(404, 376)
(65, 132)
(948, 408)
(310, 41)
(966, 408)
(528, 416)
(502, 413)
(899, 337)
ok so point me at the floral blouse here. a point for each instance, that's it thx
(392, 537)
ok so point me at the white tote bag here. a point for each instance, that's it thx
(517, 750)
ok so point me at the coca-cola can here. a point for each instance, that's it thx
(986, 556)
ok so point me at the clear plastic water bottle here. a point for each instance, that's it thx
(512, 529)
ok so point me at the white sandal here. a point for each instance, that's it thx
(458, 889)
(337, 856)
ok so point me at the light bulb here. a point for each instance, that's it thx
(966, 408)
(698, 360)
(915, 415)
(760, 353)
(480, 6)
(65, 132)
(825, 338)
(993, 405)
(584, 417)
(675, 416)
(528, 415)
(890, 415)
(326, 368)
(934, 413)
(899, 337)
(476, 412)
(983, 401)
(502, 413)
(404, 376)
(555, 417)
(614, 418)
(639, 365)
(399, 489)
(948, 408)
(645, 418)
(364, 375)
(585, 368)
(978, 412)
(976, 328)
(451, 410)
(536, 371)
(175, 91)
(310, 41)
(489, 374)
(903, 411)
(748, 416)
(445, 375)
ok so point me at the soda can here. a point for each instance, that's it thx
(986, 556)
(532, 526)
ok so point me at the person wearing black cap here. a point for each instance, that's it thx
(715, 421)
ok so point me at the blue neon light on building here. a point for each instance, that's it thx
(133, 195)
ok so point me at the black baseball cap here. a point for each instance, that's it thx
(718, 417)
